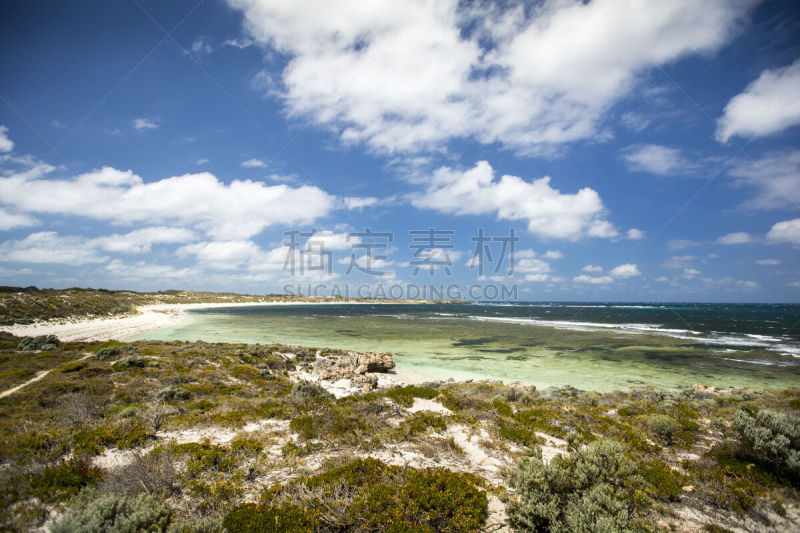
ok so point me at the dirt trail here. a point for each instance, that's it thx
(38, 377)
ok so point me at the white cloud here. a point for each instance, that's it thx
(787, 231)
(140, 124)
(254, 163)
(329, 240)
(431, 71)
(14, 220)
(735, 238)
(141, 240)
(6, 144)
(202, 161)
(768, 262)
(627, 270)
(775, 178)
(601, 280)
(236, 210)
(49, 247)
(553, 254)
(358, 202)
(655, 158)
(747, 285)
(768, 105)
(635, 121)
(690, 273)
(635, 234)
(547, 211)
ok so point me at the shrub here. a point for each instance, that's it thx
(107, 353)
(153, 472)
(404, 396)
(663, 426)
(128, 412)
(368, 495)
(770, 436)
(593, 489)
(268, 519)
(118, 514)
(44, 343)
(304, 392)
(129, 362)
(173, 392)
(64, 479)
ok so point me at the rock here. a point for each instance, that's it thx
(351, 365)
(44, 343)
(365, 383)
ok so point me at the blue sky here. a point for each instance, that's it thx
(639, 150)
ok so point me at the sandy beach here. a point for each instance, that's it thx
(147, 318)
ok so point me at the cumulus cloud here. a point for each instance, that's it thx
(768, 105)
(739, 237)
(655, 159)
(547, 212)
(432, 71)
(236, 210)
(142, 124)
(10, 220)
(6, 144)
(599, 280)
(553, 254)
(254, 163)
(627, 270)
(635, 234)
(359, 202)
(787, 231)
(775, 177)
(49, 247)
(141, 240)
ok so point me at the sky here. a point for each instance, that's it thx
(611, 150)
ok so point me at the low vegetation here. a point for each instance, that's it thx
(25, 305)
(179, 436)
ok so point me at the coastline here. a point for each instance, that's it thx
(147, 318)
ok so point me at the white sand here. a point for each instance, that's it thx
(149, 317)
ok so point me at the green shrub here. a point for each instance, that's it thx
(44, 343)
(368, 495)
(64, 479)
(128, 412)
(770, 436)
(173, 392)
(118, 514)
(107, 353)
(664, 482)
(404, 396)
(304, 392)
(663, 426)
(593, 489)
(129, 362)
(286, 518)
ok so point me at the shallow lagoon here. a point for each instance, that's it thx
(590, 347)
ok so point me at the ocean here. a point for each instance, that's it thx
(592, 346)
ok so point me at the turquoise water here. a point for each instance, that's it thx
(590, 346)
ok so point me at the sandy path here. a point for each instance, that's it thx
(37, 377)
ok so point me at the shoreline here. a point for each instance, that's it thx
(147, 318)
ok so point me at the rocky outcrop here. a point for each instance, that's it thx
(351, 365)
